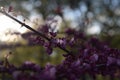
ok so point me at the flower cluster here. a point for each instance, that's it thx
(84, 56)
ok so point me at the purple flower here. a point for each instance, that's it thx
(94, 58)
(118, 62)
(111, 61)
(49, 73)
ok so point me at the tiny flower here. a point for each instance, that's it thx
(111, 60)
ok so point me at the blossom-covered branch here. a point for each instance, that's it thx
(28, 27)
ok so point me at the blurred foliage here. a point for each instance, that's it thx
(35, 54)
(104, 12)
(113, 40)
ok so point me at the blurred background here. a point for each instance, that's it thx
(100, 18)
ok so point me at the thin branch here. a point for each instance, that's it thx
(23, 24)
(28, 27)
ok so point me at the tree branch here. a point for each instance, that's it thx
(28, 27)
